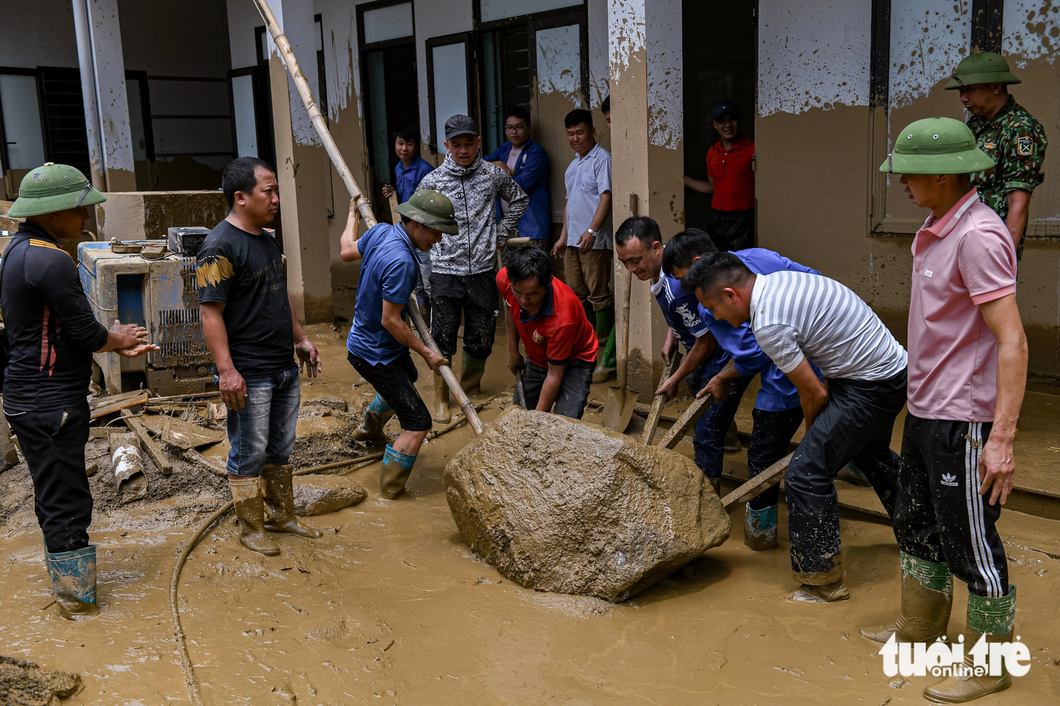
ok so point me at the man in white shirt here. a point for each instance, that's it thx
(796, 317)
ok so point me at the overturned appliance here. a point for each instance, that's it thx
(142, 282)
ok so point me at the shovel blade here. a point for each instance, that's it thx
(619, 408)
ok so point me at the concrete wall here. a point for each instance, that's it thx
(39, 36)
(814, 144)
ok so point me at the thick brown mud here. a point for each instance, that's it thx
(390, 607)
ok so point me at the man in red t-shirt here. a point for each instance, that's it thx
(731, 179)
(547, 316)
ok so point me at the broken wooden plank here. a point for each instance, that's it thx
(656, 406)
(196, 457)
(102, 406)
(152, 447)
(757, 485)
(690, 417)
(182, 434)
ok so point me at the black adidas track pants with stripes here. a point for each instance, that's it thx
(940, 515)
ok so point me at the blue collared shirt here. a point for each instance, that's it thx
(681, 311)
(777, 393)
(406, 180)
(586, 179)
(390, 272)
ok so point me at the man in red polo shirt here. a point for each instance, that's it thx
(547, 316)
(967, 374)
(731, 179)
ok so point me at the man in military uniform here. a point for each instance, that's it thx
(1007, 133)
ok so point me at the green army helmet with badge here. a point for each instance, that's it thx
(936, 146)
(51, 188)
(432, 209)
(984, 67)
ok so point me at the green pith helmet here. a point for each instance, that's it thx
(936, 146)
(51, 188)
(432, 209)
(984, 67)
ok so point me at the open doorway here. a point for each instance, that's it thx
(388, 60)
(720, 39)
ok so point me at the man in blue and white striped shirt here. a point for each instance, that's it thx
(796, 317)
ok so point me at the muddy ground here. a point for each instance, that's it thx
(389, 607)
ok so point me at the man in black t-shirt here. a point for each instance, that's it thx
(251, 329)
(52, 334)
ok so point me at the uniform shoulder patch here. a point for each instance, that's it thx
(1024, 146)
(43, 244)
(989, 145)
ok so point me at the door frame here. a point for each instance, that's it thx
(468, 39)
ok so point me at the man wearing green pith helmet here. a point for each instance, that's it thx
(52, 333)
(967, 372)
(380, 339)
(1007, 133)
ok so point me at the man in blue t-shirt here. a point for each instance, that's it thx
(380, 338)
(526, 162)
(777, 412)
(638, 244)
(408, 173)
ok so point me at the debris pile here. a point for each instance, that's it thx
(565, 506)
(24, 683)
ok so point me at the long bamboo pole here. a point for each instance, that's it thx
(289, 60)
(363, 207)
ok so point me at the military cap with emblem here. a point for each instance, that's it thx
(936, 146)
(51, 188)
(432, 209)
(984, 67)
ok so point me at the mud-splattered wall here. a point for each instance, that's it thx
(814, 140)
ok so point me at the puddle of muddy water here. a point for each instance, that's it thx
(389, 607)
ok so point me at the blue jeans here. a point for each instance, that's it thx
(709, 438)
(264, 430)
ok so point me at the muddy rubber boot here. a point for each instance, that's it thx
(375, 418)
(250, 509)
(589, 312)
(605, 360)
(826, 593)
(397, 467)
(996, 619)
(760, 528)
(471, 370)
(927, 596)
(732, 439)
(279, 502)
(853, 475)
(605, 322)
(73, 576)
(441, 400)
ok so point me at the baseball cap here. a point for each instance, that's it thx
(460, 125)
(726, 107)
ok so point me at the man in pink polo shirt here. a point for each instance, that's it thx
(967, 374)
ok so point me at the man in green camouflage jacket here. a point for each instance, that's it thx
(1007, 133)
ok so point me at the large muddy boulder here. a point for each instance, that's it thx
(320, 495)
(560, 505)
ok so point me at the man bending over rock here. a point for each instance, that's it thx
(547, 316)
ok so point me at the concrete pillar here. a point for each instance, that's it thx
(299, 153)
(103, 90)
(647, 132)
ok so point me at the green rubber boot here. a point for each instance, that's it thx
(927, 596)
(397, 467)
(605, 322)
(606, 364)
(375, 418)
(996, 619)
(471, 370)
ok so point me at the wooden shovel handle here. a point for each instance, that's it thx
(759, 484)
(691, 415)
(445, 370)
(657, 404)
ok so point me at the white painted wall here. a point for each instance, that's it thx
(1031, 31)
(665, 73)
(38, 34)
(341, 60)
(296, 20)
(928, 39)
(813, 54)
